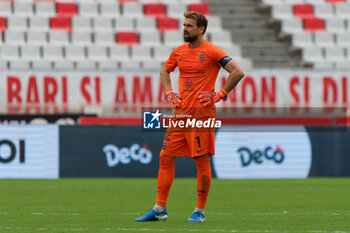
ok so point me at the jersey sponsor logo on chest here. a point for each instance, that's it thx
(188, 83)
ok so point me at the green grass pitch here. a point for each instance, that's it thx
(319, 205)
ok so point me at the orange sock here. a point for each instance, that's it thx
(203, 181)
(166, 176)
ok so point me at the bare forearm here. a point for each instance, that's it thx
(165, 78)
(233, 79)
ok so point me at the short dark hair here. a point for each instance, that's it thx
(199, 17)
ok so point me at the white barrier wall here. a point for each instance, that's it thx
(61, 92)
(29, 151)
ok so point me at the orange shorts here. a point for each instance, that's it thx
(190, 143)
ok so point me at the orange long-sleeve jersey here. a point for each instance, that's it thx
(199, 69)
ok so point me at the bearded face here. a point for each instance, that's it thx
(190, 31)
(189, 38)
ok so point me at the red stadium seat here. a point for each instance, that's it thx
(61, 23)
(2, 24)
(166, 23)
(127, 38)
(66, 9)
(303, 11)
(155, 9)
(314, 24)
(202, 7)
(335, 1)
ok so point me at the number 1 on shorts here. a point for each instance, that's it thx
(198, 141)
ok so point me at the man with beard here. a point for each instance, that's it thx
(199, 62)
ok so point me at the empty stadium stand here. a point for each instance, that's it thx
(250, 29)
(99, 34)
(319, 29)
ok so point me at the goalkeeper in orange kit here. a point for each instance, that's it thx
(199, 62)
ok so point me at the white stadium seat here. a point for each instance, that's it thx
(335, 54)
(189, 1)
(292, 25)
(133, 9)
(75, 52)
(272, 2)
(9, 52)
(214, 24)
(97, 53)
(45, 8)
(172, 38)
(316, 2)
(140, 53)
(222, 38)
(312, 54)
(335, 25)
(107, 65)
(129, 65)
(343, 39)
(23, 8)
(41, 65)
(176, 10)
(124, 24)
(19, 65)
(58, 37)
(162, 53)
(102, 24)
(104, 38)
(14, 37)
(149, 1)
(81, 37)
(151, 65)
(246, 64)
(347, 53)
(150, 39)
(110, 9)
(5, 8)
(294, 1)
(324, 11)
(85, 65)
(119, 53)
(39, 23)
(80, 23)
(30, 52)
(17, 23)
(52, 53)
(63, 65)
(323, 65)
(146, 24)
(344, 65)
(233, 51)
(342, 10)
(324, 39)
(303, 39)
(282, 11)
(37, 38)
(348, 24)
(88, 9)
(3, 65)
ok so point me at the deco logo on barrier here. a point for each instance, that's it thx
(8, 151)
(125, 155)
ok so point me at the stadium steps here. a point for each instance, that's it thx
(250, 29)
